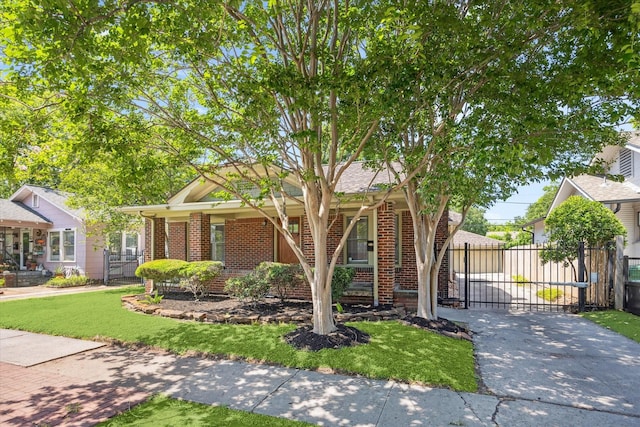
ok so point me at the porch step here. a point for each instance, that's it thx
(359, 289)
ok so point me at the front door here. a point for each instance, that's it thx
(285, 253)
(26, 248)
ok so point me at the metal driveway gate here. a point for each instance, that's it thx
(120, 268)
(517, 279)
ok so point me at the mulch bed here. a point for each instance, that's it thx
(302, 338)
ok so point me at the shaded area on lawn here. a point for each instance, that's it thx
(395, 351)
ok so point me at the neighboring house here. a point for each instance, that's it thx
(196, 225)
(623, 198)
(38, 230)
(485, 255)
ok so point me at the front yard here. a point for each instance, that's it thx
(395, 351)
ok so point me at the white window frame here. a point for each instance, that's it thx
(398, 239)
(61, 246)
(35, 200)
(366, 262)
(223, 243)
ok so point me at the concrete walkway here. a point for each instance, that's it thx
(538, 369)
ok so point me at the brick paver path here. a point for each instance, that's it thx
(33, 396)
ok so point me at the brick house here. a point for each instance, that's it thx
(196, 225)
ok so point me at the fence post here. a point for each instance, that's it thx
(105, 266)
(582, 273)
(622, 268)
(467, 283)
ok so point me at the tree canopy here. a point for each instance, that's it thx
(579, 221)
(462, 101)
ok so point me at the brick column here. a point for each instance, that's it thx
(159, 239)
(178, 240)
(386, 253)
(154, 239)
(442, 233)
(199, 237)
(148, 232)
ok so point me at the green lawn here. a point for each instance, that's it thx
(395, 351)
(162, 411)
(624, 323)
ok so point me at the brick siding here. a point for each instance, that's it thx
(178, 240)
(250, 241)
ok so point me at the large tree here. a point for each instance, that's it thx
(296, 90)
(497, 94)
(251, 95)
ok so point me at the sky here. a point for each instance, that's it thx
(516, 205)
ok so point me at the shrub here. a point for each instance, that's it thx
(196, 274)
(549, 294)
(342, 278)
(251, 287)
(67, 282)
(162, 272)
(1, 283)
(520, 280)
(282, 278)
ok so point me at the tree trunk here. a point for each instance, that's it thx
(320, 278)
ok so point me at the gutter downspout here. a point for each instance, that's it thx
(617, 209)
(376, 300)
(533, 235)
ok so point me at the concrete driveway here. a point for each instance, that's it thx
(555, 358)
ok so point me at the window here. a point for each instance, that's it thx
(62, 245)
(357, 242)
(35, 201)
(217, 242)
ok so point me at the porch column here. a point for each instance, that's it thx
(159, 238)
(386, 253)
(199, 237)
(178, 240)
(154, 239)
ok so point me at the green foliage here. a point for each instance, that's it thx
(282, 278)
(196, 274)
(342, 278)
(549, 294)
(192, 276)
(624, 323)
(154, 298)
(157, 410)
(540, 208)
(475, 222)
(1, 282)
(521, 238)
(578, 220)
(67, 282)
(395, 351)
(520, 280)
(252, 287)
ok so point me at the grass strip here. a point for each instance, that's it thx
(624, 323)
(162, 411)
(395, 351)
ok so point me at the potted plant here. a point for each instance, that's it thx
(59, 271)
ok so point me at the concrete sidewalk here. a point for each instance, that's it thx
(539, 369)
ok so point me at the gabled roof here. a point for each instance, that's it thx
(461, 237)
(55, 197)
(17, 214)
(605, 191)
(356, 179)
